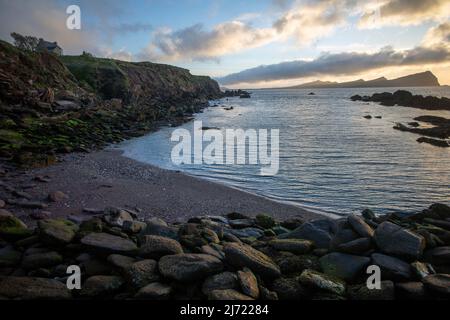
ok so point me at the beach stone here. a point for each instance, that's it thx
(438, 283)
(296, 246)
(9, 257)
(228, 294)
(318, 231)
(292, 223)
(368, 214)
(411, 290)
(133, 226)
(242, 255)
(265, 221)
(116, 217)
(344, 266)
(214, 251)
(391, 268)
(320, 281)
(249, 283)
(189, 267)
(42, 260)
(358, 246)
(96, 267)
(57, 231)
(248, 233)
(99, 286)
(344, 234)
(289, 288)
(267, 295)
(142, 273)
(220, 281)
(12, 228)
(155, 227)
(120, 261)
(229, 237)
(30, 288)
(194, 235)
(57, 196)
(360, 226)
(156, 247)
(241, 223)
(107, 243)
(394, 240)
(154, 291)
(361, 292)
(280, 230)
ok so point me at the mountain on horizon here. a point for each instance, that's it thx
(422, 79)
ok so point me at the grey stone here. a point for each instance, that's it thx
(391, 268)
(318, 231)
(107, 243)
(362, 292)
(317, 280)
(57, 231)
(189, 267)
(394, 240)
(296, 246)
(41, 260)
(220, 281)
(438, 283)
(249, 283)
(360, 226)
(157, 246)
(142, 273)
(242, 255)
(154, 291)
(98, 286)
(29, 288)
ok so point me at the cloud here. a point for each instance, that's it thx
(434, 50)
(196, 43)
(404, 12)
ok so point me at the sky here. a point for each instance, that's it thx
(253, 43)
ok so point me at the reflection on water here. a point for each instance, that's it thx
(331, 157)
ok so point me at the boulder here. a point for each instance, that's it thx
(242, 255)
(362, 292)
(133, 226)
(242, 223)
(155, 247)
(214, 250)
(154, 291)
(30, 288)
(438, 283)
(318, 231)
(391, 268)
(248, 233)
(41, 260)
(290, 263)
(320, 281)
(189, 267)
(142, 273)
(116, 217)
(57, 231)
(100, 286)
(265, 221)
(220, 281)
(438, 255)
(344, 266)
(228, 295)
(296, 246)
(360, 226)
(397, 241)
(249, 283)
(106, 243)
(12, 228)
(358, 246)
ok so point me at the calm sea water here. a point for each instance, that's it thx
(331, 158)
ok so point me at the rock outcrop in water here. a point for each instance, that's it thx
(230, 257)
(51, 104)
(438, 133)
(406, 99)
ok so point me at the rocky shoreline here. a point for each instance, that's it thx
(229, 257)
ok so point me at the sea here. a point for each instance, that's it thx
(331, 158)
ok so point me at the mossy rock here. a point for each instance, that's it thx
(265, 221)
(57, 231)
(12, 228)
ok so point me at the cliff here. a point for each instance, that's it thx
(423, 79)
(51, 104)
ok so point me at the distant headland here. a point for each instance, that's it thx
(422, 79)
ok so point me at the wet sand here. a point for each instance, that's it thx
(108, 179)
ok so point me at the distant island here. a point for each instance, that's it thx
(422, 79)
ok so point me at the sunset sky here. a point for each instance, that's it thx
(252, 43)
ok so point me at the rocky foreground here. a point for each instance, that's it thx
(230, 257)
